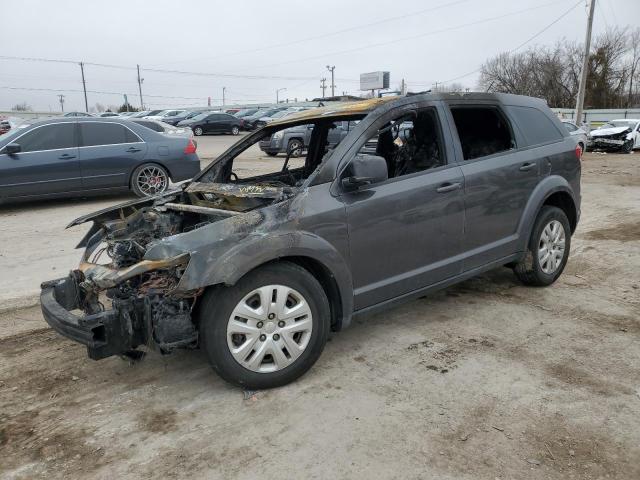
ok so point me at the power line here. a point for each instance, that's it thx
(412, 37)
(324, 35)
(33, 89)
(530, 39)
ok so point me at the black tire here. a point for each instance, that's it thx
(235, 130)
(218, 304)
(295, 147)
(272, 154)
(197, 131)
(529, 271)
(627, 147)
(139, 190)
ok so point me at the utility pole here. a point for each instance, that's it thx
(224, 91)
(585, 66)
(84, 87)
(277, 91)
(323, 85)
(333, 83)
(61, 97)
(140, 80)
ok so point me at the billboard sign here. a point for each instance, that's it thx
(374, 80)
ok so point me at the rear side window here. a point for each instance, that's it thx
(105, 134)
(153, 126)
(570, 127)
(536, 127)
(482, 131)
(48, 137)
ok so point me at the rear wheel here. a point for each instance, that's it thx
(268, 329)
(548, 248)
(272, 154)
(295, 147)
(149, 179)
(198, 131)
(235, 130)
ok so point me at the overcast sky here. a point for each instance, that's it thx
(422, 41)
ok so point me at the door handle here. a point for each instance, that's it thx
(448, 187)
(525, 167)
(66, 156)
(132, 150)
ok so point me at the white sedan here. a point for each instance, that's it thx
(621, 134)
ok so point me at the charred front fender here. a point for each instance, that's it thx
(225, 251)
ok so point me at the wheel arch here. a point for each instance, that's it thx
(553, 190)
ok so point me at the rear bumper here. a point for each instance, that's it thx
(106, 333)
(185, 168)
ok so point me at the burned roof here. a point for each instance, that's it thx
(335, 110)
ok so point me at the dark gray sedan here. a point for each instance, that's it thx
(71, 156)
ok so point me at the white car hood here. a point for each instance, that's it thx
(607, 131)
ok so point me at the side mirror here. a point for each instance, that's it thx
(365, 170)
(12, 148)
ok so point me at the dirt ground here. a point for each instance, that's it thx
(485, 380)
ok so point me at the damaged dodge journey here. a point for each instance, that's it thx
(418, 193)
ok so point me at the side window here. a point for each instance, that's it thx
(482, 131)
(48, 137)
(95, 133)
(409, 143)
(153, 126)
(536, 127)
(570, 127)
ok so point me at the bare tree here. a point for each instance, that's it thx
(21, 107)
(553, 73)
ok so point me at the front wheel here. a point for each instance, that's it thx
(548, 248)
(198, 131)
(149, 179)
(267, 329)
(295, 147)
(627, 147)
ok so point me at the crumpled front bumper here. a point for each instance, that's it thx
(105, 333)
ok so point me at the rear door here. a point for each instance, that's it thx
(47, 163)
(109, 152)
(500, 174)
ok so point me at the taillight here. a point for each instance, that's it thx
(190, 148)
(578, 152)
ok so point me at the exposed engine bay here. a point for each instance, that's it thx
(143, 292)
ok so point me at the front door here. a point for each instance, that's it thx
(406, 233)
(46, 164)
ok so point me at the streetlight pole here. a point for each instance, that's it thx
(585, 66)
(333, 83)
(277, 92)
(61, 97)
(224, 97)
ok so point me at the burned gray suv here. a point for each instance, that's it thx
(425, 191)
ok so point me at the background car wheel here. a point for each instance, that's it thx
(627, 147)
(197, 131)
(272, 154)
(235, 130)
(295, 147)
(548, 249)
(149, 179)
(267, 329)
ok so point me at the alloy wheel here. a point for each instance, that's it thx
(152, 180)
(551, 247)
(269, 328)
